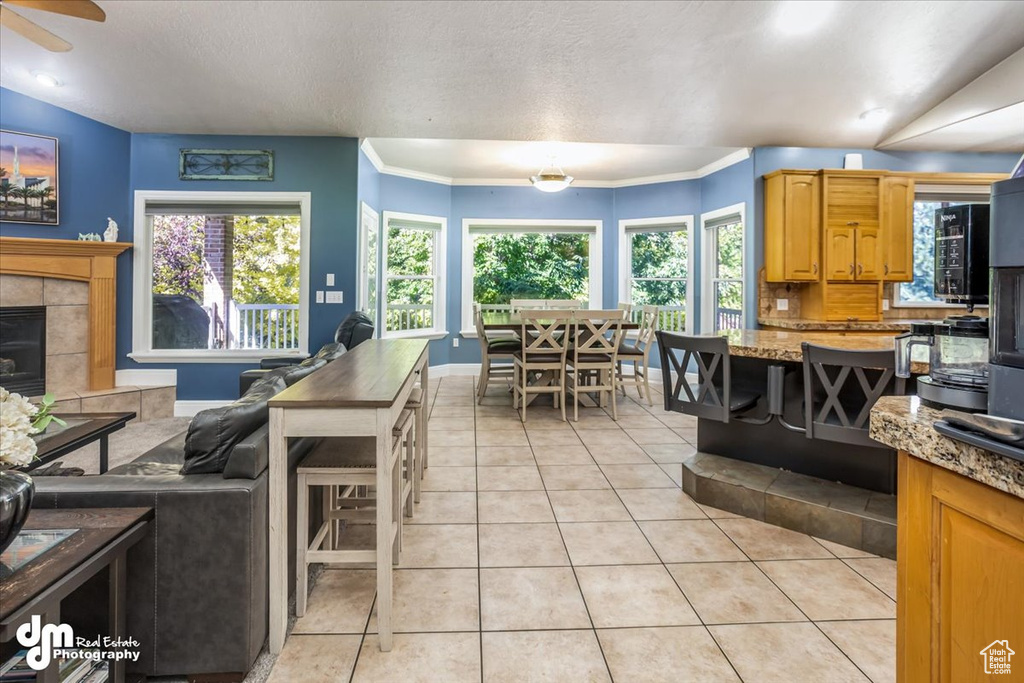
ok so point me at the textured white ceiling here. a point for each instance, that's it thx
(699, 74)
(474, 160)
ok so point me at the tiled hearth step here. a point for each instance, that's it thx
(852, 516)
(147, 402)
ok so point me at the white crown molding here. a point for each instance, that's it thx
(372, 155)
(717, 165)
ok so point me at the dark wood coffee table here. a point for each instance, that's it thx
(100, 539)
(82, 430)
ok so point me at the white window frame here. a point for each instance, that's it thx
(632, 226)
(362, 290)
(440, 267)
(708, 251)
(923, 190)
(593, 228)
(142, 292)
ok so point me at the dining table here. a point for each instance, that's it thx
(509, 321)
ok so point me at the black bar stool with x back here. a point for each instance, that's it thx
(713, 397)
(841, 387)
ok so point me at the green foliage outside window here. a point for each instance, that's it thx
(510, 266)
(659, 268)
(178, 255)
(410, 271)
(266, 258)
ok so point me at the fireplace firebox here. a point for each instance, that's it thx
(23, 349)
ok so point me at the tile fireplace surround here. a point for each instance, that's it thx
(76, 281)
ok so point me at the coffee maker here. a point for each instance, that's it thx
(958, 363)
(1006, 389)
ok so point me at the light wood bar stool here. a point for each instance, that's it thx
(346, 468)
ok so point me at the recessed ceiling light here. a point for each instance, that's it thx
(873, 116)
(796, 17)
(46, 79)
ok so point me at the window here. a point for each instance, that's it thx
(369, 242)
(414, 292)
(918, 293)
(528, 259)
(220, 276)
(723, 269)
(654, 262)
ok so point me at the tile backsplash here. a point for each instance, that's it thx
(768, 294)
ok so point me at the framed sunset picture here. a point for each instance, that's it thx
(28, 178)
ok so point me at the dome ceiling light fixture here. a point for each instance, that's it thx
(551, 178)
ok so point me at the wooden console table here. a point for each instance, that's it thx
(362, 393)
(101, 539)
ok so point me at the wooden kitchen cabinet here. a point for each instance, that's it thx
(792, 226)
(840, 262)
(960, 575)
(868, 253)
(898, 229)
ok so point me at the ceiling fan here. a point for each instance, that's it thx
(83, 9)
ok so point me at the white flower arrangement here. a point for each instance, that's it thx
(19, 420)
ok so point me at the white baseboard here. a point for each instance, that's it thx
(190, 408)
(145, 378)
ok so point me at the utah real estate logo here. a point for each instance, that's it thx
(997, 657)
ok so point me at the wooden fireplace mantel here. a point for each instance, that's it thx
(92, 262)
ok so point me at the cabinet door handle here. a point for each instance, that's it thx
(851, 269)
(860, 269)
(815, 268)
(886, 268)
(852, 223)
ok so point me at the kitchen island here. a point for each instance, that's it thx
(960, 550)
(775, 445)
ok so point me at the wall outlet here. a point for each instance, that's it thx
(336, 297)
(319, 296)
(885, 304)
(330, 279)
(782, 304)
(455, 342)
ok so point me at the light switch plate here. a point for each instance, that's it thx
(782, 304)
(336, 297)
(319, 296)
(330, 279)
(455, 342)
(885, 304)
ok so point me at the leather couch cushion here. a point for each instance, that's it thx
(331, 351)
(214, 432)
(354, 329)
(291, 373)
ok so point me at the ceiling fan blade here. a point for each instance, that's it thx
(83, 9)
(37, 34)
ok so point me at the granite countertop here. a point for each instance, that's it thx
(809, 325)
(785, 345)
(905, 424)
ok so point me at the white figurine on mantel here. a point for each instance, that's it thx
(110, 234)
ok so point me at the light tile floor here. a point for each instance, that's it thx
(567, 552)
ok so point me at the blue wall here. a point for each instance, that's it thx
(93, 168)
(327, 167)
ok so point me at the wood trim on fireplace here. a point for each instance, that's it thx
(92, 262)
